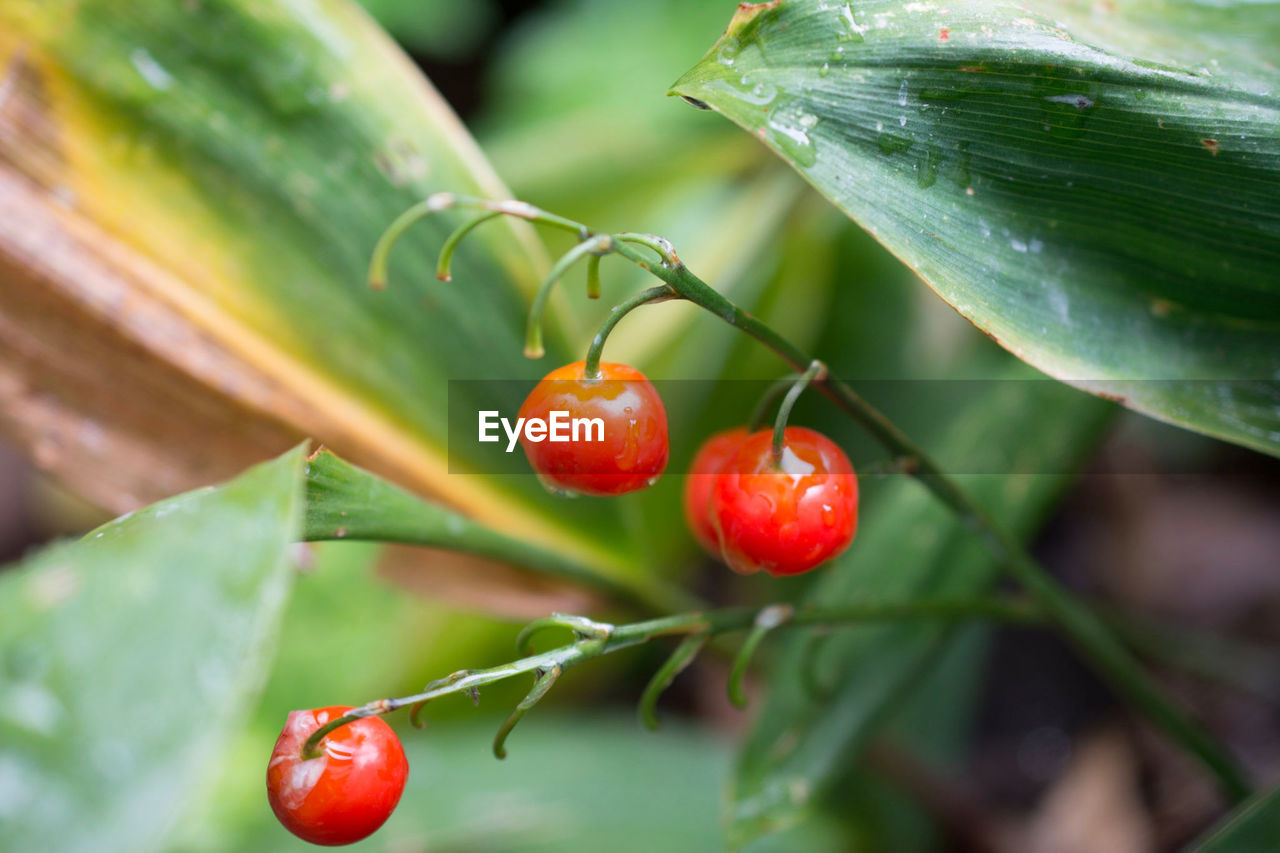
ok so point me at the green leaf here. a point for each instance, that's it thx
(129, 657)
(345, 502)
(1100, 192)
(908, 546)
(1252, 828)
(215, 176)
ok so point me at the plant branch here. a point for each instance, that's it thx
(595, 639)
(595, 245)
(816, 371)
(1077, 621)
(1084, 628)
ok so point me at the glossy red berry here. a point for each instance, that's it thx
(707, 463)
(789, 518)
(616, 427)
(347, 792)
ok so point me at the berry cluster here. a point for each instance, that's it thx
(783, 500)
(785, 507)
(785, 510)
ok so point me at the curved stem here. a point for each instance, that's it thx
(544, 682)
(593, 277)
(1079, 623)
(451, 242)
(382, 250)
(654, 294)
(597, 244)
(526, 211)
(415, 710)
(816, 370)
(659, 245)
(677, 663)
(444, 201)
(766, 621)
(583, 628)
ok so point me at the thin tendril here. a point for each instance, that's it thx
(452, 241)
(676, 664)
(543, 683)
(768, 619)
(378, 262)
(533, 333)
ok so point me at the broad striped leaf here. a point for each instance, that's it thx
(1096, 187)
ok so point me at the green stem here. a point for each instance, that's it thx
(816, 370)
(603, 639)
(660, 245)
(1114, 661)
(544, 682)
(377, 277)
(591, 370)
(445, 201)
(766, 620)
(677, 663)
(593, 277)
(533, 333)
(1084, 628)
(451, 242)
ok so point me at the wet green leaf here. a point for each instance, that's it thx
(128, 658)
(1098, 190)
(1252, 828)
(346, 502)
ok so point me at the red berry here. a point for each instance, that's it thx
(625, 449)
(708, 462)
(790, 518)
(346, 793)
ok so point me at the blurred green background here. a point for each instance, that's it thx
(997, 740)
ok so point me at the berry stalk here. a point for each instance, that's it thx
(595, 639)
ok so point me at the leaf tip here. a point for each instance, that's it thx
(746, 14)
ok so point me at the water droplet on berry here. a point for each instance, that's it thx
(555, 488)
